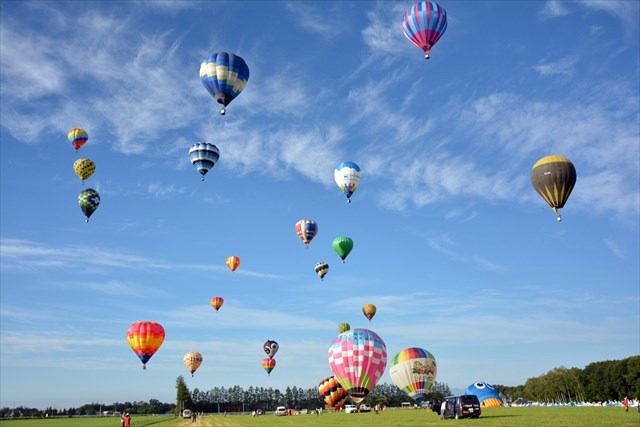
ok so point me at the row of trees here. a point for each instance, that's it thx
(597, 382)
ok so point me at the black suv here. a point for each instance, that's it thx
(463, 406)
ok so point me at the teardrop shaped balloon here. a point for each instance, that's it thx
(233, 262)
(332, 392)
(343, 327)
(145, 338)
(554, 177)
(321, 269)
(306, 230)
(271, 348)
(369, 310)
(342, 246)
(78, 137)
(347, 176)
(192, 360)
(268, 363)
(358, 359)
(216, 302)
(204, 156)
(224, 75)
(424, 23)
(88, 200)
(414, 371)
(84, 168)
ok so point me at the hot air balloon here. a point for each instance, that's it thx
(347, 176)
(88, 200)
(342, 246)
(233, 262)
(145, 338)
(414, 371)
(487, 395)
(321, 269)
(204, 156)
(554, 177)
(192, 361)
(369, 310)
(224, 75)
(343, 327)
(84, 168)
(306, 230)
(268, 363)
(332, 392)
(357, 359)
(78, 137)
(216, 302)
(271, 348)
(424, 23)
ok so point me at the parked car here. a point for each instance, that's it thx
(304, 411)
(280, 410)
(365, 408)
(350, 409)
(464, 406)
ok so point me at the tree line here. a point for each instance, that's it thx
(597, 382)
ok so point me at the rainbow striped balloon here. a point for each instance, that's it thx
(145, 338)
(414, 371)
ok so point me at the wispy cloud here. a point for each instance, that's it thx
(564, 66)
(614, 248)
(554, 8)
(319, 19)
(447, 246)
(161, 190)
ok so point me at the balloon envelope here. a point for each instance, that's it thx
(84, 168)
(216, 302)
(233, 262)
(369, 310)
(487, 395)
(306, 230)
(78, 137)
(268, 363)
(343, 327)
(342, 246)
(88, 200)
(321, 269)
(192, 361)
(224, 75)
(414, 371)
(271, 348)
(347, 176)
(204, 156)
(145, 338)
(332, 392)
(357, 359)
(424, 23)
(554, 177)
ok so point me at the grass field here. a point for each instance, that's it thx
(504, 417)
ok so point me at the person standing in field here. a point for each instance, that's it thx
(127, 420)
(625, 403)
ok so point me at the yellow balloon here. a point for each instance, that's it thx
(84, 168)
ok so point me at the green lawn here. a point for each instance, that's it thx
(504, 417)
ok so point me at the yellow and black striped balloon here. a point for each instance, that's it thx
(84, 168)
(554, 177)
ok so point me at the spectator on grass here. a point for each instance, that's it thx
(127, 420)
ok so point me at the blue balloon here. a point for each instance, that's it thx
(224, 75)
(204, 156)
(487, 395)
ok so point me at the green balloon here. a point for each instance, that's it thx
(344, 327)
(342, 246)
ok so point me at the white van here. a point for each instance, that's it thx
(280, 410)
(350, 409)
(186, 413)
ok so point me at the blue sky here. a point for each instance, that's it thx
(452, 244)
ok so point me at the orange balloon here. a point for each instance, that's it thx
(145, 338)
(216, 302)
(233, 262)
(369, 310)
